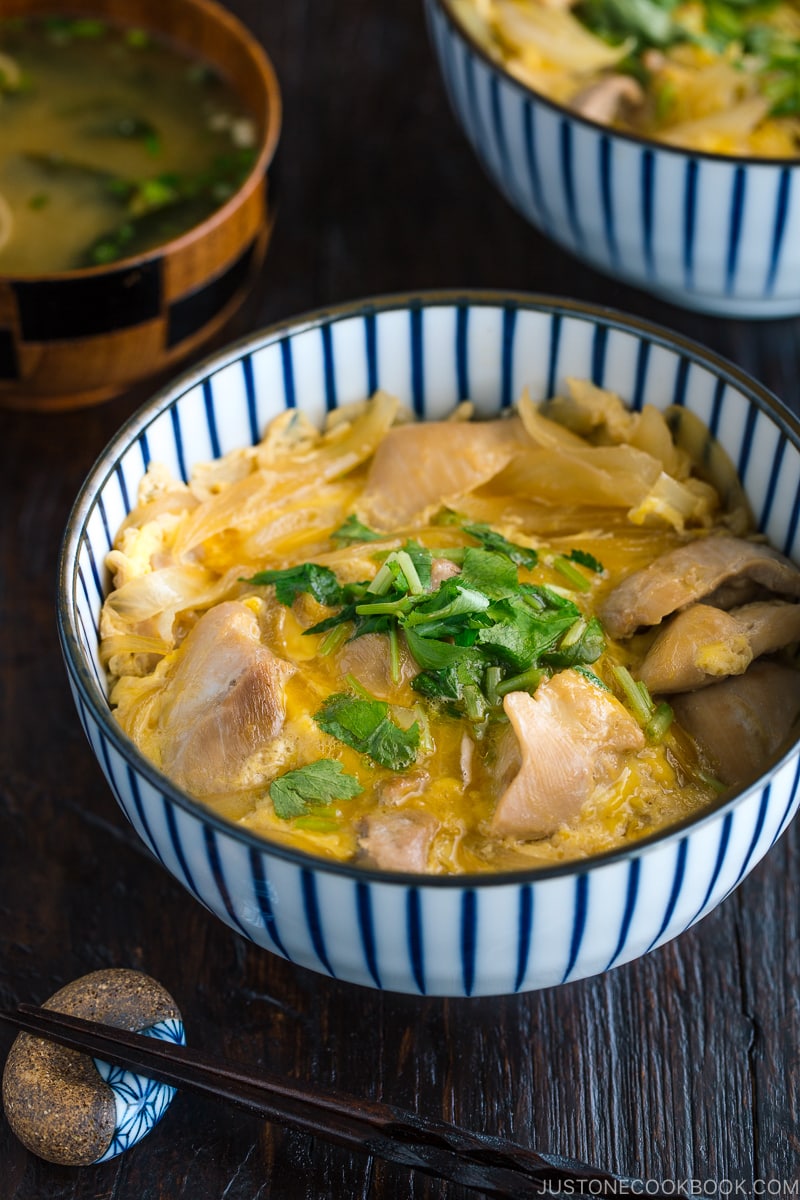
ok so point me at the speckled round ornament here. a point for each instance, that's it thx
(72, 1109)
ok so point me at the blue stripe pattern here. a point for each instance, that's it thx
(507, 397)
(790, 805)
(371, 350)
(772, 486)
(313, 920)
(642, 361)
(416, 945)
(578, 922)
(567, 173)
(261, 891)
(366, 927)
(330, 372)
(605, 192)
(735, 236)
(388, 931)
(250, 394)
(779, 226)
(417, 361)
(212, 850)
(675, 891)
(462, 357)
(174, 413)
(631, 897)
(524, 928)
(211, 418)
(606, 199)
(288, 374)
(532, 169)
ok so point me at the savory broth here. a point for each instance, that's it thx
(111, 143)
(424, 646)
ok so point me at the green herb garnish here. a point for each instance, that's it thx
(523, 556)
(352, 530)
(318, 783)
(365, 725)
(479, 635)
(655, 719)
(291, 582)
(586, 560)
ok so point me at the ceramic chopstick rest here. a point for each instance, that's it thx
(69, 1108)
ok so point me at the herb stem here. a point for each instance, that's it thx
(358, 687)
(526, 681)
(404, 562)
(337, 636)
(636, 694)
(394, 654)
(571, 573)
(659, 723)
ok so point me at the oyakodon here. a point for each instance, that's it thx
(455, 646)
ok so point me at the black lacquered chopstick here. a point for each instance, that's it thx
(491, 1165)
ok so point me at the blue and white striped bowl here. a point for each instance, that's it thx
(476, 935)
(721, 235)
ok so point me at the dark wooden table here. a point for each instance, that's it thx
(681, 1068)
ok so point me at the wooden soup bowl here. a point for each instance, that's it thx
(76, 338)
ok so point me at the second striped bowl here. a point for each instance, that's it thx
(720, 235)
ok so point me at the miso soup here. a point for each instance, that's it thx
(112, 142)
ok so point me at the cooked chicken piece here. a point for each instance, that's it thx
(399, 841)
(769, 624)
(224, 701)
(366, 658)
(742, 722)
(402, 787)
(702, 645)
(441, 569)
(605, 100)
(724, 570)
(418, 468)
(564, 741)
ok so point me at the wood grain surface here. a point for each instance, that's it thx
(681, 1068)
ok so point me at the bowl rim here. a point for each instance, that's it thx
(651, 144)
(268, 144)
(171, 393)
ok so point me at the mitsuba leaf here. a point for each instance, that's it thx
(366, 727)
(586, 560)
(290, 582)
(422, 559)
(587, 649)
(492, 574)
(522, 556)
(449, 682)
(352, 530)
(317, 783)
(518, 636)
(431, 653)
(542, 599)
